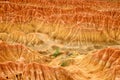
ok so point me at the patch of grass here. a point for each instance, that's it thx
(56, 53)
(64, 64)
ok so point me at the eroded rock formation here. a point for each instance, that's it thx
(32, 71)
(59, 39)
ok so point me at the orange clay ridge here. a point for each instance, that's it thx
(73, 21)
(59, 40)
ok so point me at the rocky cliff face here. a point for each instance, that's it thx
(59, 39)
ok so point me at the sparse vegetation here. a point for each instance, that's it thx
(56, 53)
(64, 63)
